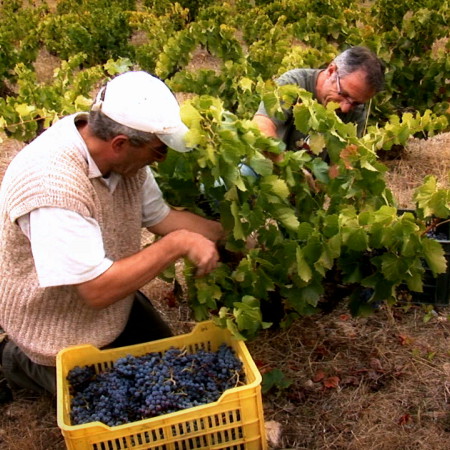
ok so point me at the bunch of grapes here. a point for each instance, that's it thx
(137, 388)
(433, 234)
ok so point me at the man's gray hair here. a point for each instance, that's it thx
(105, 128)
(361, 58)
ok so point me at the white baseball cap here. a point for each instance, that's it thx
(143, 102)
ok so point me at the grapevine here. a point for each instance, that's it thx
(350, 227)
(301, 235)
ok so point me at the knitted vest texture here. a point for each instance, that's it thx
(52, 172)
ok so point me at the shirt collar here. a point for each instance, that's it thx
(93, 171)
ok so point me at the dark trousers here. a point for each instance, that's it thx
(144, 324)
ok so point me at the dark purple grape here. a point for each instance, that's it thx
(136, 388)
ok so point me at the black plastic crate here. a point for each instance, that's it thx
(436, 290)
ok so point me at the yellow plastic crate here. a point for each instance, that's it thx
(234, 422)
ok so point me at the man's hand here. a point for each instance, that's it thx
(266, 125)
(183, 235)
(199, 234)
(200, 251)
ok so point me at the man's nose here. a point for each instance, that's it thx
(160, 157)
(345, 106)
(159, 154)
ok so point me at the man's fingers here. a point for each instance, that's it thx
(208, 265)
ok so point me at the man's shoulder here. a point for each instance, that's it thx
(49, 158)
(46, 155)
(301, 77)
(354, 115)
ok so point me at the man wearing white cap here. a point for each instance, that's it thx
(73, 203)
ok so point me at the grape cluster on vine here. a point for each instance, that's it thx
(140, 387)
(433, 234)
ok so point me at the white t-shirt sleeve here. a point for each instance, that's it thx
(154, 208)
(67, 247)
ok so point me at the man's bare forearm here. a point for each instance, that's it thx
(129, 274)
(177, 220)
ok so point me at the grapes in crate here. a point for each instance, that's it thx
(140, 387)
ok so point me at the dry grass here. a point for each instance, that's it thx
(360, 383)
(8, 148)
(30, 423)
(419, 159)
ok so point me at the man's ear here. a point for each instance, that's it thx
(119, 143)
(332, 68)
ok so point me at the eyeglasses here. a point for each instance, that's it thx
(347, 98)
(160, 152)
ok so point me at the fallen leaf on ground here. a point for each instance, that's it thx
(319, 376)
(405, 339)
(331, 382)
(405, 419)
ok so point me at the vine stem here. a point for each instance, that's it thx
(434, 224)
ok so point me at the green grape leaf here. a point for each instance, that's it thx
(207, 293)
(316, 143)
(357, 240)
(234, 330)
(248, 315)
(302, 117)
(303, 269)
(286, 216)
(414, 282)
(24, 110)
(261, 165)
(320, 170)
(238, 231)
(302, 299)
(434, 255)
(274, 378)
(190, 115)
(114, 67)
(305, 230)
(276, 185)
(246, 84)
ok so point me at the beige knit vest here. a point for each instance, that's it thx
(42, 321)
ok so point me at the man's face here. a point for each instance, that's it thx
(135, 158)
(349, 92)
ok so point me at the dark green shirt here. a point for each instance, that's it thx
(307, 79)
